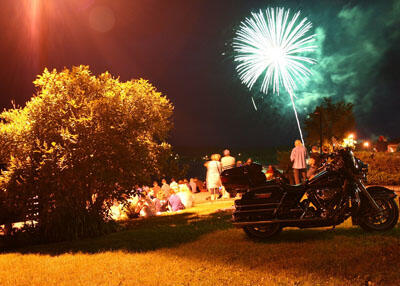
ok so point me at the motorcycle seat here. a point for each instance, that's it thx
(295, 188)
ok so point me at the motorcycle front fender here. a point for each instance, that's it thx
(378, 192)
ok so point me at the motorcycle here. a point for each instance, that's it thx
(334, 194)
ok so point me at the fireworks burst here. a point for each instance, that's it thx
(268, 44)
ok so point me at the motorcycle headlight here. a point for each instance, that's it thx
(362, 169)
(353, 159)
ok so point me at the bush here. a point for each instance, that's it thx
(383, 168)
(82, 142)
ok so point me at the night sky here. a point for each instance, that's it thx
(184, 48)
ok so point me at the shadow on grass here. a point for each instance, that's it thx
(305, 235)
(140, 235)
(349, 255)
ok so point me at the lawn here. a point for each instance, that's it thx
(200, 247)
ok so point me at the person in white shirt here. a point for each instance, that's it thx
(227, 161)
(298, 157)
(213, 178)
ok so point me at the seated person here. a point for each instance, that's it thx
(174, 202)
(270, 173)
(193, 186)
(185, 195)
(313, 169)
(162, 198)
(145, 207)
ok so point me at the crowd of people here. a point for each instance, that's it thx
(176, 196)
(150, 201)
(215, 167)
(305, 166)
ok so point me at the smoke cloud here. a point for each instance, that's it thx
(356, 63)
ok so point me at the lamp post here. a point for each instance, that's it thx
(319, 112)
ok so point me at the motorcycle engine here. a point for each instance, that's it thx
(327, 193)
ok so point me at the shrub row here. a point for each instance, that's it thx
(383, 168)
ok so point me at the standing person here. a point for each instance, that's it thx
(227, 161)
(213, 178)
(298, 157)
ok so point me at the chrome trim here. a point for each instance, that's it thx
(367, 194)
(245, 223)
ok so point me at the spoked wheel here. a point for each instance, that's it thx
(385, 220)
(262, 231)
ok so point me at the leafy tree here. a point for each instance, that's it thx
(337, 119)
(77, 146)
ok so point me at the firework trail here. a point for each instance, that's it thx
(271, 46)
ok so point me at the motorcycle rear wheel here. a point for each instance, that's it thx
(386, 221)
(262, 232)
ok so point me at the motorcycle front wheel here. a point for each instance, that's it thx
(262, 232)
(383, 221)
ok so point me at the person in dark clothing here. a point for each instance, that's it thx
(316, 156)
(381, 144)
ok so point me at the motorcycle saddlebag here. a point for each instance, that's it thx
(240, 179)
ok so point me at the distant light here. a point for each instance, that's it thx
(349, 141)
(366, 144)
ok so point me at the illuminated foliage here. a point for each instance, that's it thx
(82, 142)
(383, 167)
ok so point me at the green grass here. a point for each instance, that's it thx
(200, 247)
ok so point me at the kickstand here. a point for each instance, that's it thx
(333, 227)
